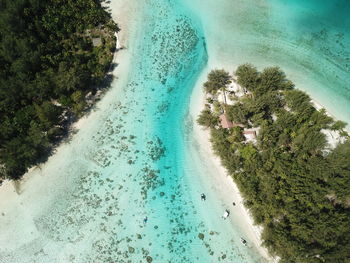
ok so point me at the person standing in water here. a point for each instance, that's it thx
(203, 197)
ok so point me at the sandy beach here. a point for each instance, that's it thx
(122, 13)
(222, 184)
(107, 157)
(18, 200)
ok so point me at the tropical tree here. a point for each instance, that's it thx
(247, 76)
(207, 119)
(295, 186)
(218, 79)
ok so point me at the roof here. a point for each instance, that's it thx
(249, 134)
(225, 123)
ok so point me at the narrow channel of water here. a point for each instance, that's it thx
(129, 164)
(132, 159)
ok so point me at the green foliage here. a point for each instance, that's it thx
(247, 76)
(236, 135)
(272, 79)
(48, 114)
(237, 113)
(339, 160)
(248, 152)
(322, 119)
(207, 119)
(217, 79)
(296, 99)
(295, 187)
(339, 125)
(269, 80)
(46, 56)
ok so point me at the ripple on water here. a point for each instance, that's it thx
(133, 165)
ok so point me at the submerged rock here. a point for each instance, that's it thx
(201, 236)
(131, 249)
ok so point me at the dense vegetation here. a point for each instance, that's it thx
(48, 66)
(295, 184)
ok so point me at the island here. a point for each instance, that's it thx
(54, 57)
(289, 159)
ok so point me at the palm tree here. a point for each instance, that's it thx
(218, 79)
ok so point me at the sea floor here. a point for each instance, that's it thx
(137, 155)
(309, 40)
(129, 163)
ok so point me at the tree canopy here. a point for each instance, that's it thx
(296, 186)
(217, 79)
(48, 65)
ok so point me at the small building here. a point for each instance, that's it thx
(225, 122)
(97, 41)
(250, 135)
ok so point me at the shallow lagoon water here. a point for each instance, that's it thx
(130, 163)
(132, 160)
(309, 40)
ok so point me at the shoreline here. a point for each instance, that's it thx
(252, 231)
(226, 189)
(45, 182)
(38, 180)
(318, 106)
(120, 56)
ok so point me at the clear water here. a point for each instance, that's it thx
(137, 157)
(131, 163)
(310, 40)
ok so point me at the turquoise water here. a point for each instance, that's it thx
(136, 158)
(310, 40)
(130, 163)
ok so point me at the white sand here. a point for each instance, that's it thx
(123, 13)
(21, 203)
(38, 181)
(223, 185)
(36, 188)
